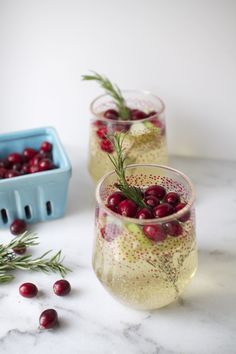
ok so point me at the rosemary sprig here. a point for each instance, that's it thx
(118, 161)
(113, 91)
(10, 261)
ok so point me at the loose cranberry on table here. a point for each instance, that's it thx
(115, 198)
(106, 146)
(144, 213)
(156, 190)
(18, 227)
(127, 208)
(151, 201)
(172, 198)
(48, 319)
(184, 217)
(155, 232)
(46, 146)
(163, 210)
(28, 290)
(61, 287)
(111, 114)
(174, 228)
(15, 157)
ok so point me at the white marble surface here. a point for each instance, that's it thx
(203, 321)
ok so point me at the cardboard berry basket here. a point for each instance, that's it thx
(37, 196)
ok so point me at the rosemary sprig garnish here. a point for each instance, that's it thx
(10, 261)
(113, 91)
(118, 161)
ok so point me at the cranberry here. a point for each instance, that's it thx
(173, 228)
(2, 172)
(136, 114)
(33, 169)
(99, 123)
(45, 155)
(45, 165)
(111, 114)
(106, 146)
(25, 169)
(184, 217)
(46, 146)
(4, 163)
(172, 198)
(127, 208)
(14, 158)
(151, 201)
(102, 132)
(11, 174)
(155, 232)
(35, 160)
(156, 190)
(29, 153)
(163, 210)
(121, 127)
(61, 287)
(144, 213)
(17, 167)
(18, 226)
(48, 319)
(112, 208)
(20, 249)
(152, 113)
(115, 198)
(28, 290)
(158, 124)
(110, 231)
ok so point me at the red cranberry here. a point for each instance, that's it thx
(35, 160)
(29, 153)
(46, 146)
(152, 113)
(48, 319)
(156, 190)
(151, 201)
(144, 213)
(163, 210)
(45, 165)
(173, 228)
(110, 231)
(16, 167)
(25, 169)
(2, 172)
(127, 208)
(111, 114)
(106, 146)
(115, 198)
(33, 169)
(11, 174)
(99, 123)
(20, 249)
(136, 114)
(172, 198)
(184, 217)
(28, 290)
(119, 127)
(155, 232)
(45, 155)
(158, 124)
(14, 158)
(102, 132)
(18, 226)
(4, 163)
(61, 287)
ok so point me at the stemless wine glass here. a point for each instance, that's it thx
(137, 271)
(145, 138)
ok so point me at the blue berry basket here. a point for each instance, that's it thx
(39, 196)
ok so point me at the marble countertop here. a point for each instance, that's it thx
(202, 321)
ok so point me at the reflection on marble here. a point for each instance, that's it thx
(202, 321)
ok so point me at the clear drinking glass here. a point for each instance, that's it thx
(135, 270)
(145, 138)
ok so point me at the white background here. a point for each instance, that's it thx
(184, 51)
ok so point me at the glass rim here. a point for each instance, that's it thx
(145, 92)
(154, 221)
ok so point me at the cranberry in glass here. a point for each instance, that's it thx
(46, 146)
(19, 249)
(102, 132)
(152, 113)
(127, 208)
(15, 157)
(144, 213)
(61, 287)
(111, 114)
(172, 198)
(155, 232)
(119, 127)
(184, 217)
(11, 174)
(112, 208)
(151, 201)
(136, 114)
(174, 228)
(18, 227)
(115, 198)
(106, 146)
(156, 190)
(28, 290)
(163, 210)
(110, 232)
(45, 165)
(48, 319)
(29, 153)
